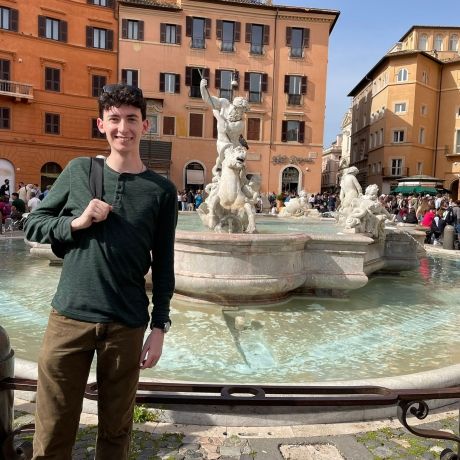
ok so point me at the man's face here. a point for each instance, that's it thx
(235, 113)
(123, 127)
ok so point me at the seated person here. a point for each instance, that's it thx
(5, 207)
(18, 207)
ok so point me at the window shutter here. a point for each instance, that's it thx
(302, 132)
(207, 28)
(162, 33)
(247, 76)
(63, 31)
(217, 79)
(109, 40)
(303, 88)
(206, 73)
(188, 76)
(284, 131)
(177, 83)
(162, 82)
(141, 30)
(306, 38)
(178, 34)
(253, 130)
(89, 36)
(288, 36)
(264, 82)
(214, 128)
(124, 76)
(14, 19)
(41, 26)
(135, 78)
(248, 34)
(110, 3)
(188, 26)
(237, 32)
(219, 29)
(287, 78)
(124, 28)
(266, 35)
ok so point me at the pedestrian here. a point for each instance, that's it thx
(5, 188)
(100, 305)
(33, 202)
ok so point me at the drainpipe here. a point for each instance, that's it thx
(437, 125)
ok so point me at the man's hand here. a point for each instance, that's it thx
(203, 83)
(153, 347)
(96, 211)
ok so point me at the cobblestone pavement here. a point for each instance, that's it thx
(366, 441)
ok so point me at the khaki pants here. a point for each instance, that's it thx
(63, 368)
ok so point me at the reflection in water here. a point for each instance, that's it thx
(395, 325)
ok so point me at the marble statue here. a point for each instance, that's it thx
(230, 205)
(367, 215)
(350, 189)
(298, 207)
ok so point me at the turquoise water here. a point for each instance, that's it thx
(394, 325)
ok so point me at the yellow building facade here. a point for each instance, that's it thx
(405, 111)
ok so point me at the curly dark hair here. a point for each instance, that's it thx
(120, 94)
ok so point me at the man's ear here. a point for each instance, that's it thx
(145, 126)
(100, 125)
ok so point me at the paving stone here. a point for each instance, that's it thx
(310, 452)
(383, 452)
(230, 451)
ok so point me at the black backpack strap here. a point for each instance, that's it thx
(96, 177)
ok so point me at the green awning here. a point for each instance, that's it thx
(415, 189)
(420, 189)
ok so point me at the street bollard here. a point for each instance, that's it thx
(6, 396)
(448, 238)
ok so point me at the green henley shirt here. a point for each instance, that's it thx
(102, 278)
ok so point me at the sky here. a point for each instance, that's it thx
(363, 34)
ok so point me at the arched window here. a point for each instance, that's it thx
(453, 42)
(423, 42)
(403, 75)
(49, 173)
(290, 180)
(194, 176)
(438, 42)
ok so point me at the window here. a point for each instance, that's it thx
(98, 82)
(193, 79)
(169, 83)
(229, 32)
(423, 42)
(457, 113)
(423, 110)
(99, 38)
(52, 79)
(371, 141)
(438, 39)
(132, 29)
(419, 168)
(153, 125)
(169, 126)
(398, 136)
(199, 29)
(297, 39)
(295, 86)
(95, 133)
(54, 29)
(257, 35)
(196, 125)
(253, 132)
(400, 107)
(255, 84)
(4, 70)
(457, 141)
(223, 81)
(402, 75)
(425, 76)
(381, 136)
(396, 167)
(52, 122)
(9, 19)
(4, 118)
(453, 42)
(421, 136)
(293, 131)
(170, 33)
(107, 3)
(130, 77)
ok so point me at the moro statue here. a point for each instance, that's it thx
(230, 205)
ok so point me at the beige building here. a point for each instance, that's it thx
(276, 55)
(405, 111)
(330, 166)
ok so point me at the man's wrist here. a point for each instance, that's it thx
(162, 326)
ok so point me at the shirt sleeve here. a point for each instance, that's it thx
(163, 259)
(47, 223)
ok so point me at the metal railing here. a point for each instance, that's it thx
(296, 52)
(408, 401)
(227, 46)
(198, 43)
(16, 89)
(395, 172)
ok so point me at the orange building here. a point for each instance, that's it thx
(276, 54)
(406, 112)
(55, 56)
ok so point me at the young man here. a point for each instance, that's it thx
(101, 305)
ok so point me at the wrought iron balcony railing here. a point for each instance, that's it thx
(395, 172)
(16, 89)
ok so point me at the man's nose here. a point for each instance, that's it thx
(122, 126)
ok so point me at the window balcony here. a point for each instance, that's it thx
(294, 99)
(195, 91)
(198, 43)
(296, 52)
(395, 172)
(17, 90)
(256, 49)
(227, 46)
